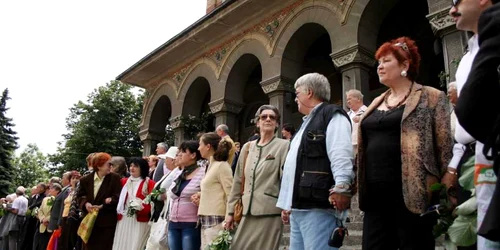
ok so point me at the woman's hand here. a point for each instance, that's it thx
(162, 197)
(285, 216)
(229, 222)
(107, 200)
(89, 207)
(195, 199)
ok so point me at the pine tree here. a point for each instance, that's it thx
(8, 143)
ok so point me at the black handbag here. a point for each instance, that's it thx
(337, 237)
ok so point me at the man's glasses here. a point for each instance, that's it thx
(454, 3)
(265, 116)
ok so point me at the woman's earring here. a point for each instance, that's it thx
(404, 73)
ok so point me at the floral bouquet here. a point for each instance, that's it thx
(50, 202)
(134, 205)
(154, 195)
(221, 242)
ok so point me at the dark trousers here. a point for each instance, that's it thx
(41, 240)
(28, 233)
(397, 229)
(68, 239)
(462, 194)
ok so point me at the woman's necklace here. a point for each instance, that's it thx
(400, 102)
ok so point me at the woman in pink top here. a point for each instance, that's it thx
(184, 233)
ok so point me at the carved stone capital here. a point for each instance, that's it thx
(277, 83)
(354, 54)
(441, 20)
(147, 134)
(175, 122)
(224, 105)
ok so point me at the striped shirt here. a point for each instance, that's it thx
(181, 207)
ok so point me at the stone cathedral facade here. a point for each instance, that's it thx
(245, 53)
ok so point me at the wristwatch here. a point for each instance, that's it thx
(343, 186)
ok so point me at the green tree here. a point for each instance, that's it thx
(30, 167)
(8, 143)
(107, 122)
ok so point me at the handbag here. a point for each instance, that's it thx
(337, 237)
(163, 232)
(86, 226)
(238, 207)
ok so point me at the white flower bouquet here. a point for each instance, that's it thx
(134, 205)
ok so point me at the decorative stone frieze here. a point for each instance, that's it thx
(277, 83)
(223, 105)
(354, 54)
(441, 20)
(175, 122)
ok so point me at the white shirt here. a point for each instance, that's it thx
(355, 125)
(21, 204)
(463, 70)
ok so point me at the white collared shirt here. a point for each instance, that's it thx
(463, 70)
(355, 125)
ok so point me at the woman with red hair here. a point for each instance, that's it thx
(405, 145)
(100, 190)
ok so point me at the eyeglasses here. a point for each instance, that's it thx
(265, 116)
(454, 3)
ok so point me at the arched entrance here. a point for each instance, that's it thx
(160, 115)
(196, 105)
(307, 51)
(243, 86)
(398, 22)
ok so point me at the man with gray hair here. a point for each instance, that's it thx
(160, 170)
(19, 208)
(357, 108)
(318, 171)
(223, 131)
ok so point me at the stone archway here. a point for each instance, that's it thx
(244, 89)
(307, 51)
(383, 20)
(196, 101)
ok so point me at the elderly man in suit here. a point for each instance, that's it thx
(58, 206)
(479, 113)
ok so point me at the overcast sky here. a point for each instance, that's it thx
(54, 53)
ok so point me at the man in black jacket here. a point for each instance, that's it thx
(478, 111)
(30, 224)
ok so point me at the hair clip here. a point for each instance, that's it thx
(402, 45)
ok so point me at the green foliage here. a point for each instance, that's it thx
(30, 167)
(107, 122)
(194, 125)
(459, 225)
(8, 144)
(221, 242)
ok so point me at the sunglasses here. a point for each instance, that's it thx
(454, 3)
(264, 117)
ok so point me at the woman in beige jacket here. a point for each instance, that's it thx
(215, 187)
(262, 178)
(42, 235)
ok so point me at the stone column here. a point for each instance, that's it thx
(176, 124)
(225, 112)
(150, 139)
(355, 63)
(453, 41)
(280, 91)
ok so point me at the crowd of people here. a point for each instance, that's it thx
(401, 144)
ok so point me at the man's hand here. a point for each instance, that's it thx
(339, 201)
(285, 217)
(450, 180)
(108, 200)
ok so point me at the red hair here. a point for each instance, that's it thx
(403, 49)
(100, 159)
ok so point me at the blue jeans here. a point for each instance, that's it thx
(184, 239)
(311, 229)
